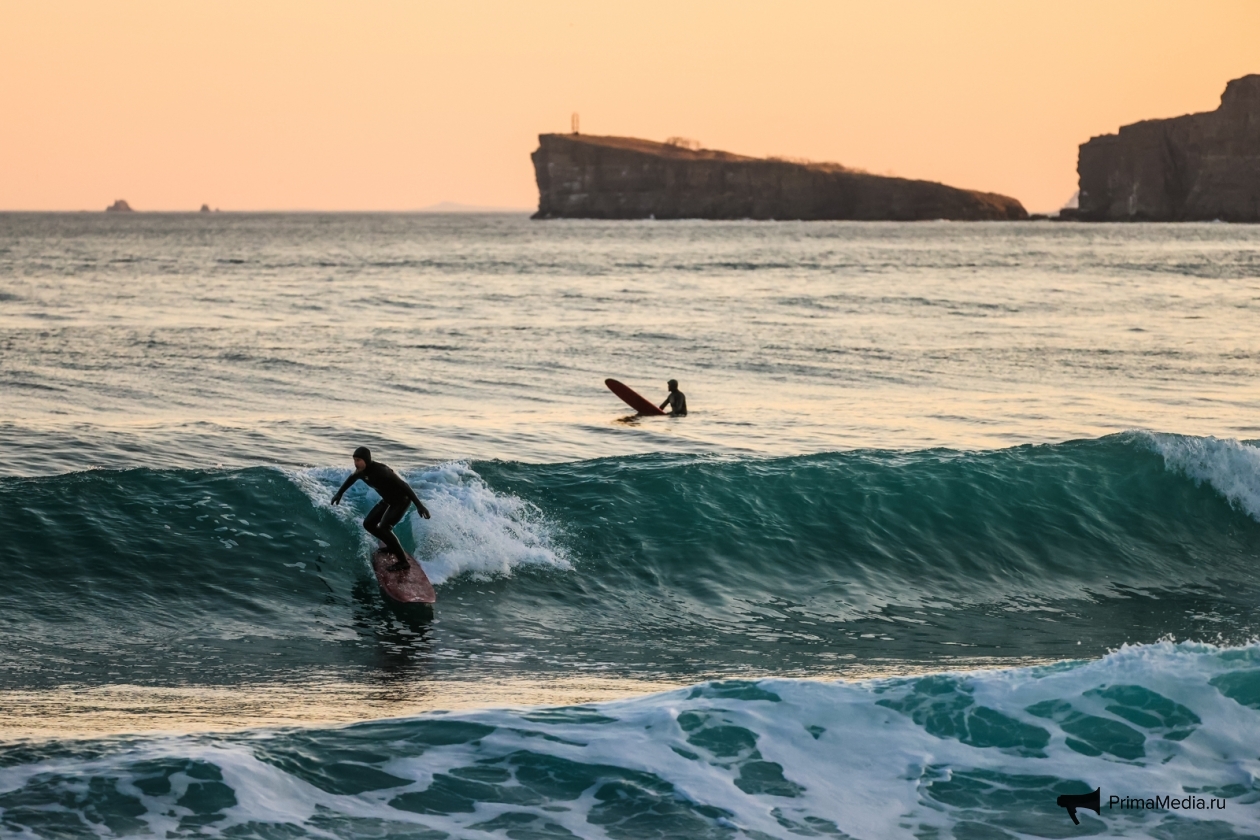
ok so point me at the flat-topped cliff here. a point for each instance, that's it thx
(1196, 167)
(588, 177)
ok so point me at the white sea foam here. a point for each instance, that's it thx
(473, 529)
(778, 758)
(1231, 467)
(319, 484)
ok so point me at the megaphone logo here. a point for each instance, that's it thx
(1072, 801)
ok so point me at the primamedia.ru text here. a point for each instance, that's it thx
(1165, 803)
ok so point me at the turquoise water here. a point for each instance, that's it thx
(963, 517)
(981, 754)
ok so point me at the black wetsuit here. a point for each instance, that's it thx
(396, 497)
(677, 403)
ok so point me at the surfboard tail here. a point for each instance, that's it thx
(405, 586)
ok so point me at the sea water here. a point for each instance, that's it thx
(964, 517)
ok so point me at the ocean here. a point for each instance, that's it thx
(964, 517)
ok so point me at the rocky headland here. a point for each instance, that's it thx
(119, 206)
(583, 176)
(1197, 167)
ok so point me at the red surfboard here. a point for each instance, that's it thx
(409, 586)
(633, 398)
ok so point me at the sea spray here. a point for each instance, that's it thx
(479, 532)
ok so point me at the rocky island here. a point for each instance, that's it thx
(1198, 167)
(582, 176)
(119, 206)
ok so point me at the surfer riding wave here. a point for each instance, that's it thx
(396, 497)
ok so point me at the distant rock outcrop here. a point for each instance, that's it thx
(205, 208)
(588, 177)
(119, 206)
(1196, 167)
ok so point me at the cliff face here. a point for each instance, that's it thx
(1196, 167)
(588, 177)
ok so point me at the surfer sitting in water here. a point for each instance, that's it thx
(396, 497)
(676, 401)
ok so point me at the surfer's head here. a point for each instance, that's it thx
(673, 384)
(362, 457)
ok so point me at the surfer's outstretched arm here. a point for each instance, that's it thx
(346, 485)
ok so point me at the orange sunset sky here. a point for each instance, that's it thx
(397, 105)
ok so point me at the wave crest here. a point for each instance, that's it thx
(1230, 467)
(475, 530)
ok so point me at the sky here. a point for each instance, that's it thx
(376, 105)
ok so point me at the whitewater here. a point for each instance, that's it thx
(964, 518)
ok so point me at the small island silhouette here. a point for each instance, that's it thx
(582, 176)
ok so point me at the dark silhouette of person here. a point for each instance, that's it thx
(676, 401)
(396, 497)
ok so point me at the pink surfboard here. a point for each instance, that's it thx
(633, 398)
(409, 586)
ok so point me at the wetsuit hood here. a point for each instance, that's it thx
(363, 453)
